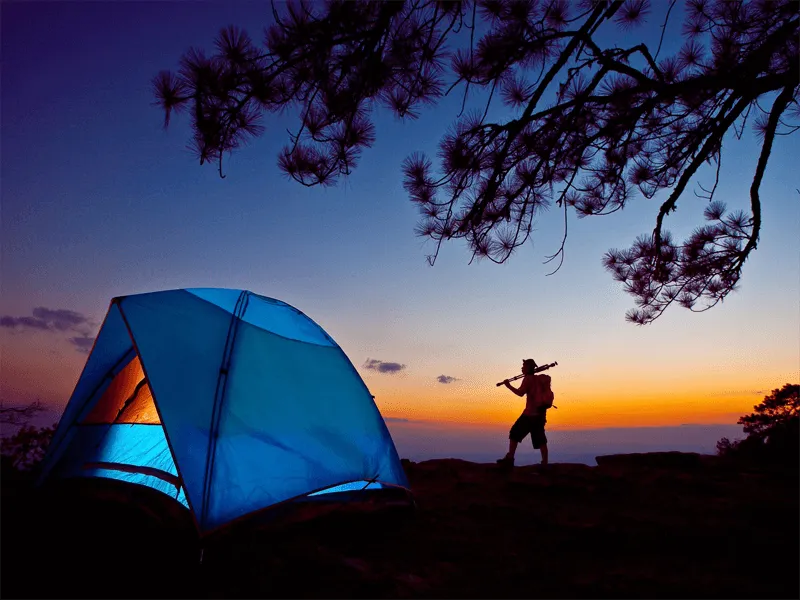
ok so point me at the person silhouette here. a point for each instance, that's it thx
(533, 419)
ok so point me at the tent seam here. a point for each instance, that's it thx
(298, 311)
(158, 410)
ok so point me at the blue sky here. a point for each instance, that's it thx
(98, 200)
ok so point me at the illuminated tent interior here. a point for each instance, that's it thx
(226, 401)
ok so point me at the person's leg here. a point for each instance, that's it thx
(518, 432)
(539, 439)
(508, 459)
(512, 448)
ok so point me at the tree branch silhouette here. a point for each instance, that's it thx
(591, 127)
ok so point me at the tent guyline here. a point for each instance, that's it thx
(194, 393)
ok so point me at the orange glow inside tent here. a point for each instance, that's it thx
(127, 399)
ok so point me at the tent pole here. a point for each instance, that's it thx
(219, 395)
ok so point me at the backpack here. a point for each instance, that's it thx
(547, 392)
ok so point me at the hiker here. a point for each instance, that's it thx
(533, 418)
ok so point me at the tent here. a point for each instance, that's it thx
(227, 401)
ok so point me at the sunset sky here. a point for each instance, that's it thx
(98, 201)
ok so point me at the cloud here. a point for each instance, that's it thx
(82, 343)
(396, 419)
(446, 379)
(23, 322)
(382, 366)
(47, 319)
(58, 320)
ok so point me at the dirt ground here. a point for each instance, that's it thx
(635, 526)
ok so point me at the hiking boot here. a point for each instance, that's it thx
(506, 461)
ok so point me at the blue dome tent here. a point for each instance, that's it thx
(227, 401)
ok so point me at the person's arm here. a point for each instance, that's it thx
(521, 390)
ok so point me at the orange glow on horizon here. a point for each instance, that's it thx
(586, 398)
(609, 405)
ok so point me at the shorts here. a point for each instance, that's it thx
(533, 424)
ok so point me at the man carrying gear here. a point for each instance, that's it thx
(534, 417)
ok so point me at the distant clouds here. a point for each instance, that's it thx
(47, 319)
(382, 366)
(740, 393)
(56, 320)
(82, 343)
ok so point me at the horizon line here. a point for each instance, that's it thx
(390, 419)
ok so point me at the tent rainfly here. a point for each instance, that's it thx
(227, 401)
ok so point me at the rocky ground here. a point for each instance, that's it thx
(636, 526)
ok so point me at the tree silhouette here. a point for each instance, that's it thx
(594, 126)
(773, 429)
(26, 448)
(782, 406)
